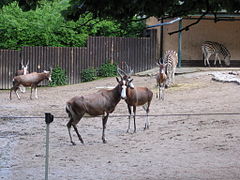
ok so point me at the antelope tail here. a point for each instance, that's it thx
(69, 110)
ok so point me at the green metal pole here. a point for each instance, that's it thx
(180, 44)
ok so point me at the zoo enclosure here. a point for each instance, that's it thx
(140, 53)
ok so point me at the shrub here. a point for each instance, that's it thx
(89, 74)
(59, 77)
(107, 70)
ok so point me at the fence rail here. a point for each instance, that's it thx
(126, 115)
(140, 53)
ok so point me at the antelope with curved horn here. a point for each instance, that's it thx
(22, 71)
(101, 103)
(161, 79)
(136, 96)
(29, 80)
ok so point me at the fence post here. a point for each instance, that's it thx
(48, 119)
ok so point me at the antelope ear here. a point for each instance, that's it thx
(117, 79)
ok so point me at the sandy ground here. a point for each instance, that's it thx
(175, 147)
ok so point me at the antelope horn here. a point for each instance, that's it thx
(121, 72)
(129, 69)
(51, 68)
(27, 63)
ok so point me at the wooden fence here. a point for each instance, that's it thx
(139, 53)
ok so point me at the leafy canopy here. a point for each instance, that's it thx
(125, 9)
(45, 26)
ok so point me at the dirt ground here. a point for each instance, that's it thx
(175, 147)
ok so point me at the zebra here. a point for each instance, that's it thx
(170, 58)
(214, 48)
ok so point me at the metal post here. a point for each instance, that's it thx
(180, 44)
(48, 120)
(161, 40)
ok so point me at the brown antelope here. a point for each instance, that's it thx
(136, 96)
(22, 71)
(161, 79)
(29, 80)
(101, 103)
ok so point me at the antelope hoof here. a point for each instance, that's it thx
(146, 127)
(73, 143)
(104, 141)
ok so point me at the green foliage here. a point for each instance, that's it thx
(46, 27)
(89, 74)
(59, 77)
(107, 70)
(126, 10)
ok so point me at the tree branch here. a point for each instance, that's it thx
(186, 28)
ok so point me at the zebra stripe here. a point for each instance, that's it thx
(171, 61)
(210, 48)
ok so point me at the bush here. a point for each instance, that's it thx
(89, 74)
(59, 77)
(107, 70)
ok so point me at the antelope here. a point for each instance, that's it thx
(22, 71)
(29, 80)
(102, 103)
(161, 79)
(136, 96)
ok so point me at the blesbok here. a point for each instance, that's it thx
(136, 96)
(161, 79)
(29, 80)
(22, 71)
(101, 103)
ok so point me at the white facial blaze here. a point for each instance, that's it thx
(131, 84)
(123, 93)
(25, 70)
(162, 71)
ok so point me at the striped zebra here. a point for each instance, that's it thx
(210, 48)
(170, 58)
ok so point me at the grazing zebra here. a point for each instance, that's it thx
(170, 58)
(214, 48)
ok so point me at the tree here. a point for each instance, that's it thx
(24, 4)
(45, 26)
(125, 10)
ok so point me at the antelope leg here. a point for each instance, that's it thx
(104, 122)
(69, 124)
(79, 136)
(36, 96)
(31, 93)
(134, 118)
(129, 117)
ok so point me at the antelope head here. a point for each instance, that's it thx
(24, 68)
(126, 76)
(48, 74)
